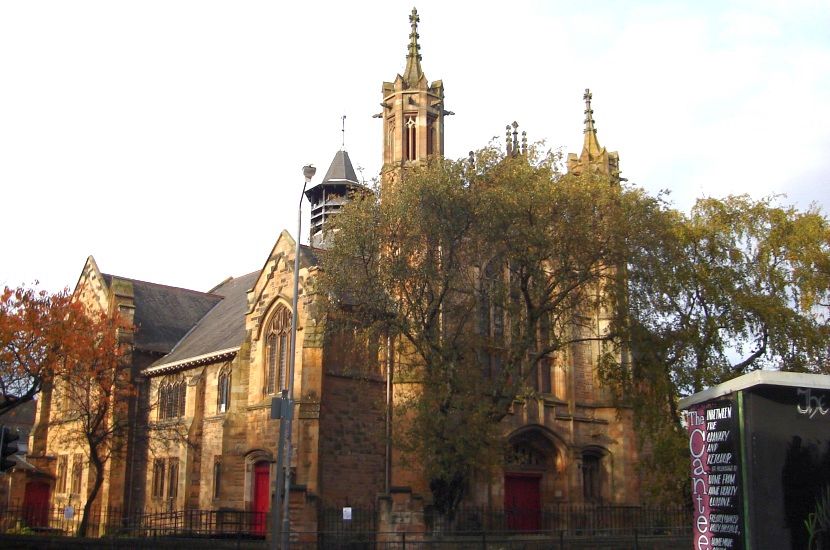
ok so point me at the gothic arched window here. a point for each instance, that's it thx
(171, 398)
(223, 389)
(390, 141)
(409, 138)
(431, 135)
(592, 476)
(276, 350)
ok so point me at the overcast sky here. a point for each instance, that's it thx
(167, 138)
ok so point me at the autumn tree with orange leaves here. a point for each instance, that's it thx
(34, 335)
(55, 340)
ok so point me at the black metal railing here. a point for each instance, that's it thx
(362, 527)
(64, 520)
(569, 518)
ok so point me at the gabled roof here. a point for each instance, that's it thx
(164, 314)
(218, 334)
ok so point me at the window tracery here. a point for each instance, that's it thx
(171, 398)
(276, 360)
(410, 138)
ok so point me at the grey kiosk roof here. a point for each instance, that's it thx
(758, 378)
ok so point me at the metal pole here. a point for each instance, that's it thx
(276, 494)
(308, 173)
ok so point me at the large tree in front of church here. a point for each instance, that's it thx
(478, 271)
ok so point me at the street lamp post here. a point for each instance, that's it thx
(285, 435)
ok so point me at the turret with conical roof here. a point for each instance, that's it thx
(329, 196)
(593, 159)
(413, 112)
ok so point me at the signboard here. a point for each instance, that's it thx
(760, 459)
(714, 444)
(347, 513)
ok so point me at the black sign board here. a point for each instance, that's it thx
(715, 447)
(760, 459)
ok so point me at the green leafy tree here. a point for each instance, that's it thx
(477, 273)
(734, 286)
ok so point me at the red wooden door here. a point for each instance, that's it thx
(522, 502)
(36, 504)
(261, 494)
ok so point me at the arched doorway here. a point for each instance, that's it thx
(36, 504)
(529, 473)
(260, 499)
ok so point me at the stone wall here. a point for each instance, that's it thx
(352, 442)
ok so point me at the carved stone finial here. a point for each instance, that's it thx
(590, 145)
(589, 113)
(413, 70)
(508, 141)
(524, 143)
(472, 159)
(515, 138)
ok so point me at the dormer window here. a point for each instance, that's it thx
(276, 351)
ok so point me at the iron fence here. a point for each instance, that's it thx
(626, 539)
(554, 526)
(65, 520)
(573, 519)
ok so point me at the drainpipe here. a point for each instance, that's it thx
(388, 472)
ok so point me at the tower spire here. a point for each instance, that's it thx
(593, 159)
(591, 144)
(413, 114)
(413, 72)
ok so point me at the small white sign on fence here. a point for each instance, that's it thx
(69, 512)
(347, 513)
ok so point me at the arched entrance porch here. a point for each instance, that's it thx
(530, 473)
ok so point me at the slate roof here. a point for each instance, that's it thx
(341, 169)
(309, 256)
(221, 329)
(164, 314)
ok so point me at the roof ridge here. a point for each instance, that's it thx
(171, 287)
(230, 278)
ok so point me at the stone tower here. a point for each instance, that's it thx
(593, 159)
(413, 113)
(329, 196)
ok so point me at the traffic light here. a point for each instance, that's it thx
(8, 447)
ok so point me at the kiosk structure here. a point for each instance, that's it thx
(760, 458)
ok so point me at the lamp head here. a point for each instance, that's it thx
(309, 171)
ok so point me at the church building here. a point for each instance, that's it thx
(208, 364)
